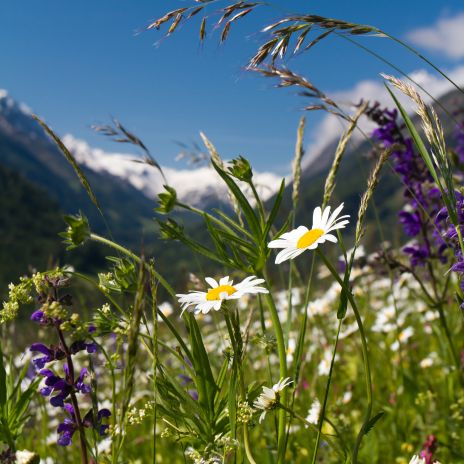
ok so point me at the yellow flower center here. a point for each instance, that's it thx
(214, 293)
(308, 238)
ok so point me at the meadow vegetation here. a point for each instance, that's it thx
(303, 346)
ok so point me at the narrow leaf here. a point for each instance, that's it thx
(72, 161)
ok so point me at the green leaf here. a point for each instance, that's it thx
(343, 304)
(204, 380)
(71, 160)
(416, 138)
(427, 159)
(170, 230)
(241, 169)
(274, 210)
(218, 243)
(248, 211)
(166, 200)
(78, 231)
(373, 421)
(233, 224)
(232, 402)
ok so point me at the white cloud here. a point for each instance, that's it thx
(330, 128)
(445, 36)
(193, 185)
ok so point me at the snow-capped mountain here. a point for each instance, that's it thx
(198, 186)
(28, 151)
(16, 117)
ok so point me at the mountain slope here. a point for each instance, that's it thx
(354, 172)
(29, 224)
(26, 149)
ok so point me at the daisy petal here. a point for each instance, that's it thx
(317, 217)
(211, 282)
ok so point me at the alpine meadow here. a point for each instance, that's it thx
(315, 318)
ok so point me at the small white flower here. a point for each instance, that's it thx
(26, 457)
(219, 291)
(429, 361)
(166, 308)
(403, 337)
(314, 412)
(347, 396)
(300, 239)
(269, 398)
(324, 365)
(417, 460)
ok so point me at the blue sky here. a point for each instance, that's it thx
(78, 63)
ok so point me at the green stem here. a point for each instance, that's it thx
(282, 371)
(155, 362)
(246, 442)
(400, 71)
(461, 242)
(365, 355)
(422, 57)
(446, 329)
(326, 395)
(258, 202)
(235, 338)
(71, 379)
(309, 424)
(116, 246)
(156, 275)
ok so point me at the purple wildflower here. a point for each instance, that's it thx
(411, 222)
(51, 353)
(428, 448)
(69, 425)
(63, 390)
(421, 218)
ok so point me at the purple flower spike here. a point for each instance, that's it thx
(51, 354)
(411, 223)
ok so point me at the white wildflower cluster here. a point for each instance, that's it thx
(202, 458)
(314, 412)
(244, 412)
(27, 457)
(418, 460)
(226, 443)
(136, 416)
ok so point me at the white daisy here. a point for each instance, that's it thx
(417, 460)
(300, 239)
(314, 413)
(225, 289)
(269, 398)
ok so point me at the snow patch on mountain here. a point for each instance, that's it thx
(196, 186)
(330, 128)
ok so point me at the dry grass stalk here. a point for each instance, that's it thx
(431, 125)
(118, 133)
(372, 183)
(296, 165)
(229, 15)
(330, 180)
(289, 78)
(284, 30)
(219, 162)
